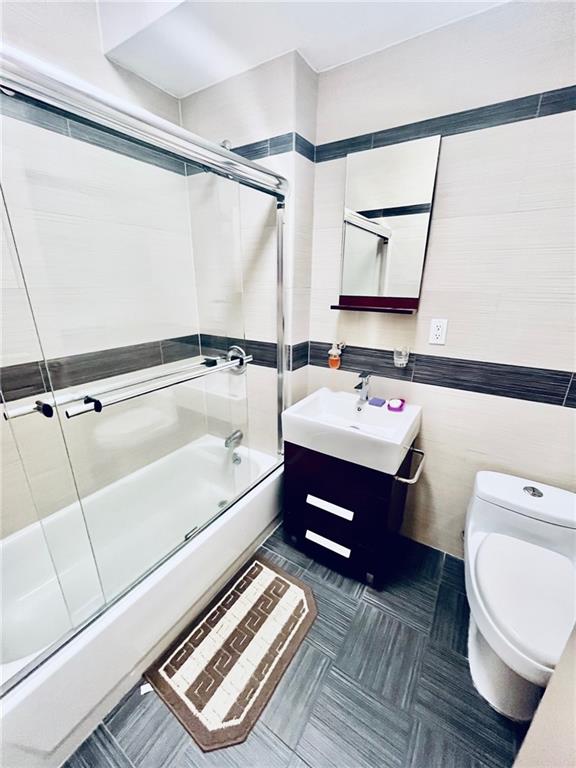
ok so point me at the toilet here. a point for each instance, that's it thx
(520, 566)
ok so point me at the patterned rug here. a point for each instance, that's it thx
(219, 674)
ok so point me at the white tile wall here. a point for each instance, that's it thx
(68, 36)
(513, 50)
(19, 341)
(104, 241)
(500, 260)
(500, 263)
(249, 107)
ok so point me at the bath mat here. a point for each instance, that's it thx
(218, 675)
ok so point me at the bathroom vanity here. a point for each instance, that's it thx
(347, 467)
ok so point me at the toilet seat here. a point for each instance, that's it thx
(529, 593)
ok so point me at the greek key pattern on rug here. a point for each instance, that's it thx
(219, 675)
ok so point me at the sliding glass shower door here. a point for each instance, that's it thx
(143, 273)
(48, 573)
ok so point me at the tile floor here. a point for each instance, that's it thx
(380, 681)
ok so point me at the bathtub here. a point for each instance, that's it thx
(134, 523)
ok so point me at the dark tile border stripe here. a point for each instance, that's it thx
(538, 385)
(525, 108)
(380, 362)
(299, 355)
(400, 210)
(27, 379)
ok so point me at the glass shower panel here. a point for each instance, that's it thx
(104, 233)
(50, 583)
(234, 240)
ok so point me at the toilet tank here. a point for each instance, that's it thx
(525, 509)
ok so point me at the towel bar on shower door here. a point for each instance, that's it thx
(235, 360)
(98, 401)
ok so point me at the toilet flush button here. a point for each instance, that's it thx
(533, 491)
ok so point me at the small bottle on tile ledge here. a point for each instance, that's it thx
(334, 354)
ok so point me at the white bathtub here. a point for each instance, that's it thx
(133, 524)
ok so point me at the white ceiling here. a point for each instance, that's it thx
(190, 45)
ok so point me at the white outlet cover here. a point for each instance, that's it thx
(438, 328)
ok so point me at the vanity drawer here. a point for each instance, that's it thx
(339, 498)
(359, 562)
(353, 523)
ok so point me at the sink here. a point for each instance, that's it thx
(329, 422)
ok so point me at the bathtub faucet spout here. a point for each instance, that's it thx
(233, 440)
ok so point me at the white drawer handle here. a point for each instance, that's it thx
(328, 544)
(327, 506)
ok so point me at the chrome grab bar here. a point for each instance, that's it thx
(412, 480)
(98, 401)
(236, 358)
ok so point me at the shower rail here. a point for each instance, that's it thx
(25, 74)
(95, 401)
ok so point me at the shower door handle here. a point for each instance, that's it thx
(24, 410)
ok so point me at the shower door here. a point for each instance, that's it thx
(50, 581)
(137, 265)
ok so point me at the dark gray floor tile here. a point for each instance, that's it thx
(431, 748)
(335, 614)
(411, 602)
(453, 573)
(262, 749)
(412, 586)
(297, 762)
(416, 561)
(329, 578)
(446, 698)
(281, 562)
(277, 544)
(450, 625)
(349, 728)
(100, 750)
(147, 730)
(288, 710)
(382, 655)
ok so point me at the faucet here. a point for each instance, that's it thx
(234, 439)
(363, 386)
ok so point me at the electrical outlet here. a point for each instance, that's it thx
(438, 331)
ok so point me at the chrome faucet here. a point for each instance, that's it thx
(364, 388)
(234, 439)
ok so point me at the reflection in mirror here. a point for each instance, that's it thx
(388, 203)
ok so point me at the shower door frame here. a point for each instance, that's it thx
(22, 73)
(67, 95)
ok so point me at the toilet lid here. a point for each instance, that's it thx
(530, 594)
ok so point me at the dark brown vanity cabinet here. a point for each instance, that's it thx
(341, 514)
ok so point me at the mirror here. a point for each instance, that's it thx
(388, 205)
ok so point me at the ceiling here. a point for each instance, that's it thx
(185, 46)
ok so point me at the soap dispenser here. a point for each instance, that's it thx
(334, 355)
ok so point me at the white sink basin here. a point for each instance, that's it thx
(330, 423)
